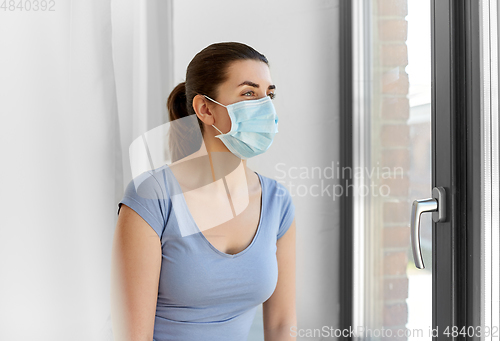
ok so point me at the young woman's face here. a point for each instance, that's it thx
(247, 80)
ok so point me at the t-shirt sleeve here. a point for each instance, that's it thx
(287, 209)
(147, 197)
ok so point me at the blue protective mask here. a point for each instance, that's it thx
(253, 126)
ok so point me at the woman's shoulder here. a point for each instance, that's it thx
(280, 199)
(152, 184)
(147, 196)
(274, 188)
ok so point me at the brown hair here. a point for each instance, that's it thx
(206, 71)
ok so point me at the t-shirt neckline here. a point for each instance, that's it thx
(206, 241)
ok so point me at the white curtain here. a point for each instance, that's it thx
(77, 84)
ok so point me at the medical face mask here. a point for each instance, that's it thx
(253, 126)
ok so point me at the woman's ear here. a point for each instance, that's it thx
(202, 109)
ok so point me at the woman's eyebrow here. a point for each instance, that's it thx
(255, 85)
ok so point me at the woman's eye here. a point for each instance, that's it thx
(251, 93)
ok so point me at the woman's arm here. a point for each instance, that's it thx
(135, 273)
(279, 310)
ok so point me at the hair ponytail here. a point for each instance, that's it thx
(177, 102)
(184, 138)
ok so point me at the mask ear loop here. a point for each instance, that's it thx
(213, 100)
(218, 129)
(219, 104)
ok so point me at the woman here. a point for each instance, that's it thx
(199, 244)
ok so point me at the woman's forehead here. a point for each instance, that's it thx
(250, 73)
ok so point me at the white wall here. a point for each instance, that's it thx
(300, 39)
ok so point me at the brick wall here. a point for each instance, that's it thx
(391, 137)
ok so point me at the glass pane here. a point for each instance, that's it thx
(394, 298)
(490, 206)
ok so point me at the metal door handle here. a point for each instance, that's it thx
(437, 205)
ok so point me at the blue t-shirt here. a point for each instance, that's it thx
(206, 294)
